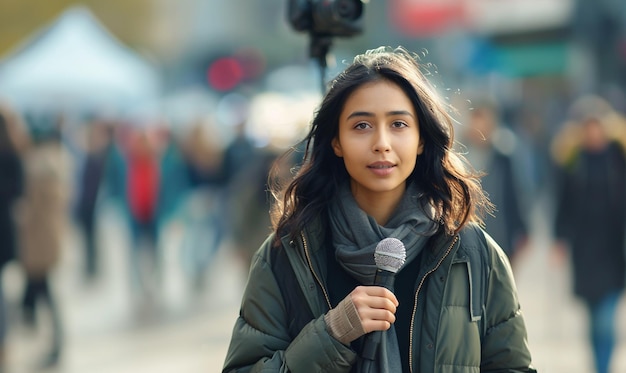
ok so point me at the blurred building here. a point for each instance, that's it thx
(519, 50)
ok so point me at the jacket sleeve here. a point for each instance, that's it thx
(260, 340)
(505, 345)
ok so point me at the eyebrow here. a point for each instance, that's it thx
(389, 113)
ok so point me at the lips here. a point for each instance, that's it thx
(381, 169)
(381, 165)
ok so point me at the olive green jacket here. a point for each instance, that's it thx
(472, 320)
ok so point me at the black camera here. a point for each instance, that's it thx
(326, 18)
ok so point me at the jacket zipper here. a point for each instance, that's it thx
(317, 278)
(419, 287)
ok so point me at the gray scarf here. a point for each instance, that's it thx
(355, 236)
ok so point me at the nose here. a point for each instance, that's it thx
(381, 142)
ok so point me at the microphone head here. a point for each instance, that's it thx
(390, 254)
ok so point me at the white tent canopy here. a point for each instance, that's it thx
(77, 63)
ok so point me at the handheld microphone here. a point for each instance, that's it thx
(389, 256)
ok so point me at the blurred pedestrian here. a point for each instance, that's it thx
(250, 202)
(11, 189)
(529, 126)
(145, 176)
(43, 225)
(244, 174)
(491, 149)
(203, 205)
(379, 163)
(174, 182)
(141, 183)
(90, 181)
(590, 216)
(241, 150)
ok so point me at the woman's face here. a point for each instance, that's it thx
(378, 140)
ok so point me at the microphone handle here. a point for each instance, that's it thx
(372, 341)
(384, 278)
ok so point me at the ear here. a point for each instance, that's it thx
(420, 147)
(337, 147)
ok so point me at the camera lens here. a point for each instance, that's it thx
(349, 9)
(326, 17)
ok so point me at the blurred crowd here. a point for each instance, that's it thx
(59, 172)
(198, 169)
(576, 178)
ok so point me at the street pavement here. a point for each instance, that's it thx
(186, 329)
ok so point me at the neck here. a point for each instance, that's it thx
(380, 206)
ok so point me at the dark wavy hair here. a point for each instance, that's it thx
(447, 180)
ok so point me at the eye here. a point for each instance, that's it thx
(399, 124)
(361, 125)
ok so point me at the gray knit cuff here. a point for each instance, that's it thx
(343, 322)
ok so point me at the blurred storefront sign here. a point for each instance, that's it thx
(533, 59)
(517, 38)
(507, 16)
(426, 18)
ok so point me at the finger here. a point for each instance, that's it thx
(383, 292)
(381, 303)
(375, 325)
(378, 314)
(367, 301)
(379, 291)
(366, 292)
(372, 319)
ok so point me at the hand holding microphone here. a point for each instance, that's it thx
(370, 308)
(389, 256)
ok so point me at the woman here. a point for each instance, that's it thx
(590, 216)
(379, 163)
(43, 227)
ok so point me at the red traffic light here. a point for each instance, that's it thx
(225, 74)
